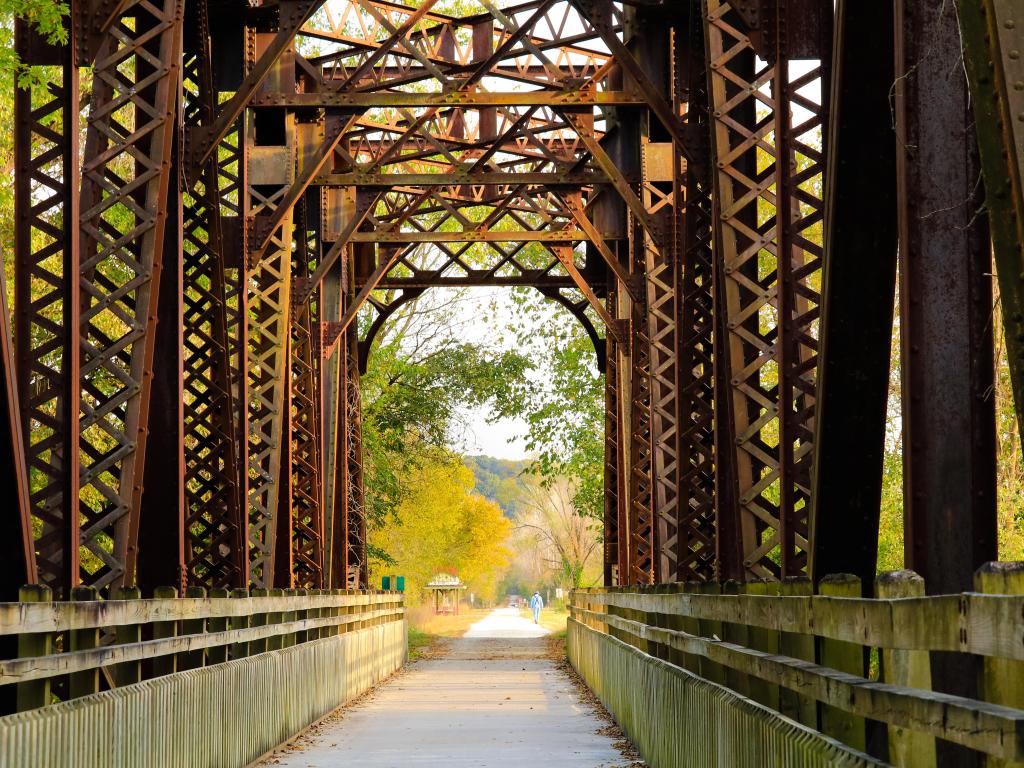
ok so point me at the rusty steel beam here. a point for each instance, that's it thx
(468, 100)
(455, 177)
(123, 217)
(858, 291)
(47, 304)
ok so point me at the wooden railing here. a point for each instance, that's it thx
(834, 660)
(61, 651)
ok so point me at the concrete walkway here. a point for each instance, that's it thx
(494, 699)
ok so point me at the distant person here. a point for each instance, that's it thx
(536, 603)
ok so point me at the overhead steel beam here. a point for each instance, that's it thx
(456, 177)
(471, 100)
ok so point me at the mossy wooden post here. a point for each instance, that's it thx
(275, 642)
(34, 693)
(193, 659)
(260, 618)
(164, 665)
(711, 670)
(803, 709)
(1002, 680)
(674, 621)
(294, 595)
(130, 671)
(690, 626)
(239, 650)
(219, 653)
(766, 640)
(313, 613)
(910, 669)
(844, 656)
(738, 635)
(87, 682)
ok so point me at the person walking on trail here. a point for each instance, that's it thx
(536, 603)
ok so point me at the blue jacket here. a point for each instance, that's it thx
(536, 602)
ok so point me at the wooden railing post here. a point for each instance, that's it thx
(130, 671)
(763, 640)
(1002, 680)
(711, 670)
(738, 635)
(846, 657)
(165, 665)
(34, 693)
(690, 626)
(803, 709)
(291, 615)
(240, 650)
(217, 654)
(193, 659)
(274, 617)
(910, 669)
(87, 682)
(260, 619)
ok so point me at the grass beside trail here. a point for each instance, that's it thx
(426, 628)
(553, 619)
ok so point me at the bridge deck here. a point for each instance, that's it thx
(493, 698)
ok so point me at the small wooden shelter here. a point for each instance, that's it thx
(446, 588)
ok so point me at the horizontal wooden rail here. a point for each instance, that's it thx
(989, 728)
(835, 660)
(20, 618)
(41, 667)
(971, 622)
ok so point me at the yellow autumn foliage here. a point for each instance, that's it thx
(443, 526)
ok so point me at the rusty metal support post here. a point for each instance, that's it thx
(46, 310)
(858, 290)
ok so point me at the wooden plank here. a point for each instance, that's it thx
(988, 728)
(909, 669)
(34, 646)
(22, 670)
(18, 618)
(982, 624)
(84, 683)
(1002, 680)
(164, 664)
(845, 657)
(798, 646)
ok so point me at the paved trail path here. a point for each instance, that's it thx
(494, 699)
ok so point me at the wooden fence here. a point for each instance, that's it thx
(200, 681)
(835, 661)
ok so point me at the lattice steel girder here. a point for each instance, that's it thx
(768, 181)
(698, 529)
(457, 177)
(47, 304)
(131, 127)
(487, 236)
(990, 30)
(215, 524)
(471, 99)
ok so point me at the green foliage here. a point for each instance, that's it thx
(499, 480)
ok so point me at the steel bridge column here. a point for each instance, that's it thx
(46, 311)
(125, 180)
(858, 289)
(945, 307)
(945, 310)
(215, 525)
(768, 209)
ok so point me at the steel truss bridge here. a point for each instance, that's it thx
(716, 190)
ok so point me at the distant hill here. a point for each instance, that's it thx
(498, 480)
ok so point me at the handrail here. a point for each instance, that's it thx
(19, 618)
(40, 667)
(989, 728)
(983, 625)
